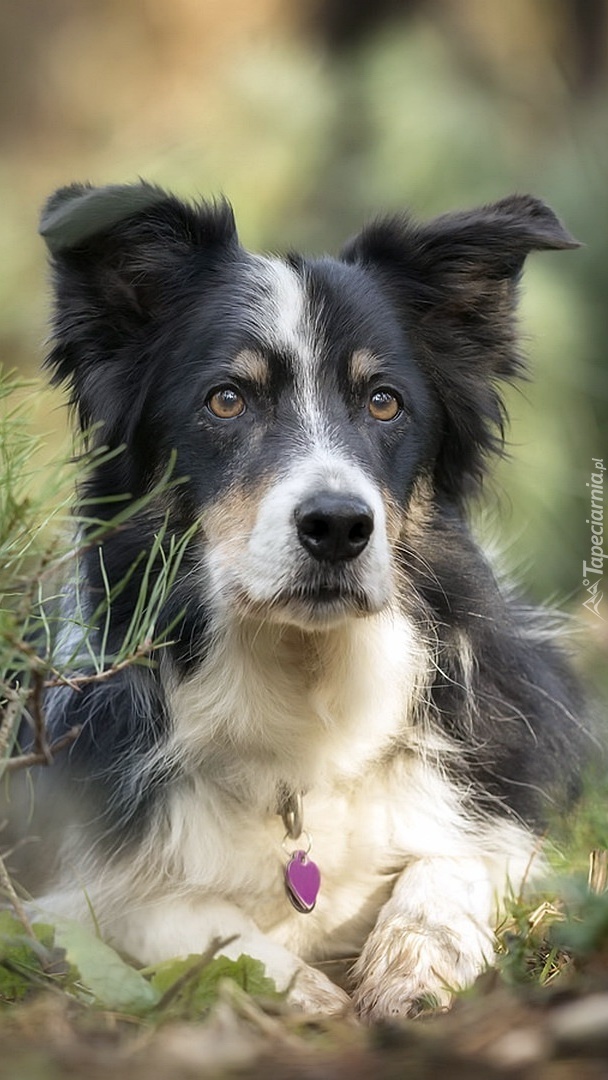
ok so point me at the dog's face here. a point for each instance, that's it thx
(302, 421)
(306, 399)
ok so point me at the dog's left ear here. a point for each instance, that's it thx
(118, 250)
(126, 259)
(454, 282)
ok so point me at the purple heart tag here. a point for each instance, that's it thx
(302, 880)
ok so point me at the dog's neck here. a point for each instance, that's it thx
(275, 706)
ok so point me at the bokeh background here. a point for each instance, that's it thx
(313, 115)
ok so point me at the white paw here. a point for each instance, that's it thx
(314, 993)
(406, 969)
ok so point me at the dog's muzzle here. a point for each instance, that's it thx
(318, 552)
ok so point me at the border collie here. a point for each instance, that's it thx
(350, 743)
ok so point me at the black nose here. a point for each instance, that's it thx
(334, 527)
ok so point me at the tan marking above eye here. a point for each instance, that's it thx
(384, 405)
(251, 365)
(226, 403)
(363, 365)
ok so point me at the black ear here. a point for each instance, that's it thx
(124, 257)
(454, 282)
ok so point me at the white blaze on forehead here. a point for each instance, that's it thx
(282, 304)
(285, 323)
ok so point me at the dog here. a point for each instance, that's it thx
(351, 740)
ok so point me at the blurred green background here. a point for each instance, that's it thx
(313, 115)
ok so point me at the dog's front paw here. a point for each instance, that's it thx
(406, 969)
(312, 992)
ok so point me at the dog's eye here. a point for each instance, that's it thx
(226, 403)
(385, 405)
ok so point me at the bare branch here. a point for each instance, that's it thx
(39, 758)
(7, 886)
(77, 681)
(598, 870)
(36, 709)
(10, 719)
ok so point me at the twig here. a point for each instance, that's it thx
(34, 758)
(76, 681)
(247, 1009)
(8, 887)
(598, 870)
(36, 709)
(10, 718)
(44, 982)
(534, 854)
(44, 752)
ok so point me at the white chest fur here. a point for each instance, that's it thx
(328, 715)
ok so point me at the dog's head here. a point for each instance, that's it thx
(309, 401)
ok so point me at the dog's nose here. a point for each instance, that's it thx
(334, 527)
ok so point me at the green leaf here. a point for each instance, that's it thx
(45, 934)
(168, 972)
(20, 957)
(13, 984)
(114, 984)
(196, 987)
(11, 928)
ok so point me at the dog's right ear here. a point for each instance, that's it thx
(123, 257)
(454, 283)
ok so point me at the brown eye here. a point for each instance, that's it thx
(226, 403)
(384, 405)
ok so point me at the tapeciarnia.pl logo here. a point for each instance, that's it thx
(593, 571)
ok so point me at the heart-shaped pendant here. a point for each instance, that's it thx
(302, 880)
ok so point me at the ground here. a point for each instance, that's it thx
(542, 1014)
(497, 1033)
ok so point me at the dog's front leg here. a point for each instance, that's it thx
(177, 927)
(434, 935)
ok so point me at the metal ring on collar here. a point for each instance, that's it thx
(288, 850)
